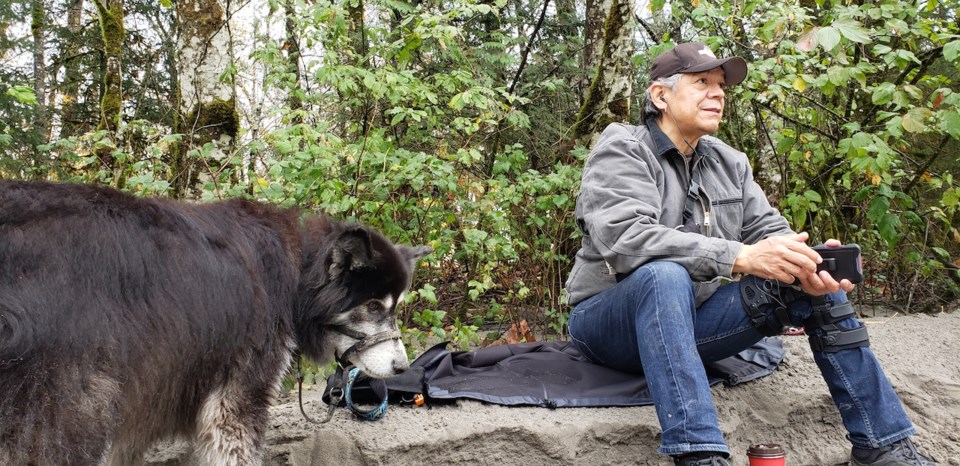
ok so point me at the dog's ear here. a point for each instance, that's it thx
(352, 250)
(414, 254)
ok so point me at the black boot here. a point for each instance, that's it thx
(900, 453)
(702, 458)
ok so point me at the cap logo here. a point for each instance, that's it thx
(706, 51)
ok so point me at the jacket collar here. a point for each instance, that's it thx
(663, 145)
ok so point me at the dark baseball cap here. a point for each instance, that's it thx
(694, 57)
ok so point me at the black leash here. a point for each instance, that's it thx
(337, 392)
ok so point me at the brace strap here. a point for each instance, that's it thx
(760, 296)
(825, 335)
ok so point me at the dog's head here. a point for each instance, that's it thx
(352, 279)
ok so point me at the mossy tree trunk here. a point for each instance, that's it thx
(292, 47)
(596, 13)
(608, 97)
(359, 47)
(111, 17)
(38, 28)
(208, 104)
(72, 78)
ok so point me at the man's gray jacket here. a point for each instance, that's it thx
(633, 195)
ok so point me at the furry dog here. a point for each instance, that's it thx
(126, 320)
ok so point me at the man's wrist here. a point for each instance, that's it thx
(741, 264)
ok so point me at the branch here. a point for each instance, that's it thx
(773, 147)
(646, 27)
(526, 50)
(928, 57)
(923, 169)
(818, 104)
(823, 133)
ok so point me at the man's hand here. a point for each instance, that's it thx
(819, 284)
(787, 259)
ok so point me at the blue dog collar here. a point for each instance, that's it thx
(371, 415)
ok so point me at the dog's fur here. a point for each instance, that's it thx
(126, 320)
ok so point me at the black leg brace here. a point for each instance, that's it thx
(766, 303)
(826, 336)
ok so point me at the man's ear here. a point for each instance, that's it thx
(657, 93)
(352, 250)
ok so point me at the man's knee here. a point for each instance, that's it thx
(767, 302)
(827, 335)
(666, 271)
(662, 274)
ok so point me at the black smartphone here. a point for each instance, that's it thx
(841, 262)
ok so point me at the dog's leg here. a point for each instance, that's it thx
(57, 414)
(120, 455)
(230, 428)
(232, 421)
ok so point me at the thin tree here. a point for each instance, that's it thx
(70, 61)
(608, 97)
(38, 13)
(111, 17)
(208, 104)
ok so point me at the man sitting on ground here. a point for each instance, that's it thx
(667, 211)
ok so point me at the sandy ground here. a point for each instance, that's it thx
(920, 353)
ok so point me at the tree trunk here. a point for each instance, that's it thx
(292, 47)
(596, 14)
(356, 29)
(111, 98)
(608, 98)
(72, 77)
(356, 32)
(207, 93)
(38, 29)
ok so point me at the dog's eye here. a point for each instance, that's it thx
(375, 307)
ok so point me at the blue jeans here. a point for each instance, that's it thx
(649, 323)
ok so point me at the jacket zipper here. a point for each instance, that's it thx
(704, 199)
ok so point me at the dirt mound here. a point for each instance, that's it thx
(791, 407)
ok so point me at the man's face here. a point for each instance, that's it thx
(695, 107)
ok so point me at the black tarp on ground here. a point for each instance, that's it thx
(549, 374)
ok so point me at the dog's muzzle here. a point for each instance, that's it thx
(364, 342)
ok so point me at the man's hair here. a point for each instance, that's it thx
(651, 110)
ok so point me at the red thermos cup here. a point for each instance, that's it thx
(767, 454)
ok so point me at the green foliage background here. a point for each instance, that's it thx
(423, 128)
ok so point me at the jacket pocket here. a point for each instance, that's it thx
(728, 217)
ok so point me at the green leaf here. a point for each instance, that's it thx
(23, 94)
(852, 30)
(878, 208)
(911, 124)
(428, 292)
(883, 93)
(828, 38)
(813, 196)
(799, 84)
(951, 51)
(560, 200)
(887, 227)
(950, 123)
